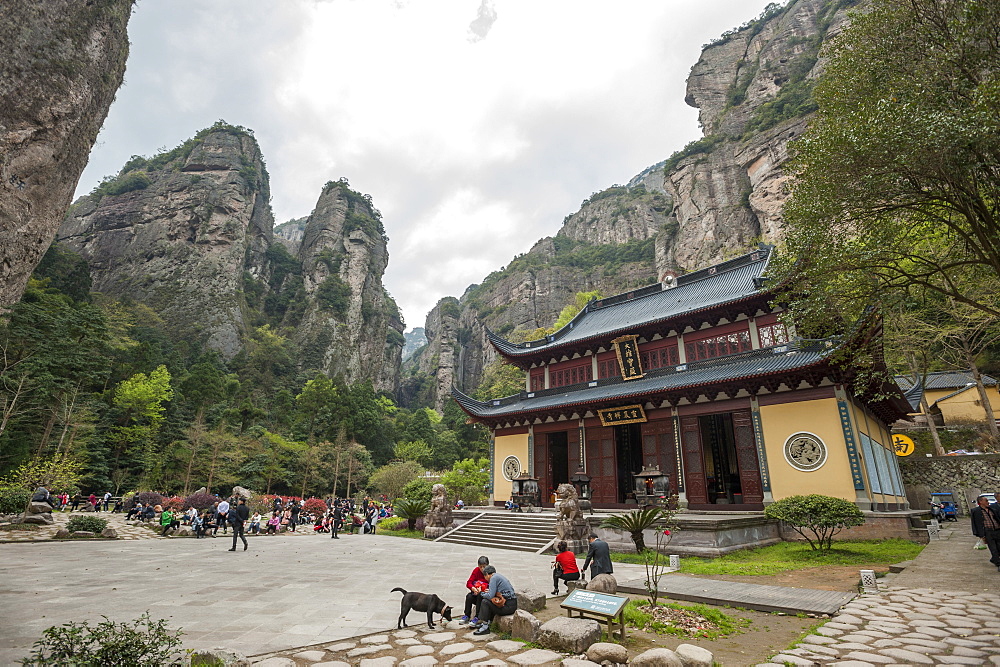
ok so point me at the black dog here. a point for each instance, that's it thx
(432, 604)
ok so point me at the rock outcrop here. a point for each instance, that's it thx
(190, 233)
(61, 63)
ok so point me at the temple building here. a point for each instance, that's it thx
(697, 380)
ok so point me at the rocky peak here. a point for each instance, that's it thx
(61, 62)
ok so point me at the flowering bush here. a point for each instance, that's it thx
(200, 501)
(315, 506)
(174, 504)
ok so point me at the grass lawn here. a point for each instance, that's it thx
(794, 556)
(418, 534)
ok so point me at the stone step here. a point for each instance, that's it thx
(499, 544)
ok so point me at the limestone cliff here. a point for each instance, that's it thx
(752, 88)
(61, 62)
(190, 233)
(351, 326)
(714, 198)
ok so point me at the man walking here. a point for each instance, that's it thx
(986, 525)
(338, 520)
(600, 554)
(237, 519)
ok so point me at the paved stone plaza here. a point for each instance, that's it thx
(286, 591)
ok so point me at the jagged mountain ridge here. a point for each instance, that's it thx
(713, 199)
(190, 233)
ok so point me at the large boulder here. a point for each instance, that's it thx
(62, 534)
(604, 583)
(572, 635)
(530, 599)
(110, 532)
(657, 657)
(694, 656)
(39, 507)
(240, 491)
(37, 519)
(606, 651)
(520, 625)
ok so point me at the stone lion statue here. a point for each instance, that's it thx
(438, 520)
(569, 507)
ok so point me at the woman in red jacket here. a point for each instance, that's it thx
(564, 567)
(476, 584)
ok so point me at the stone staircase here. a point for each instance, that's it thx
(505, 530)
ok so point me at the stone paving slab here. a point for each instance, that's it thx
(741, 594)
(289, 591)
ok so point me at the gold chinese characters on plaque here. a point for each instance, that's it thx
(627, 414)
(627, 350)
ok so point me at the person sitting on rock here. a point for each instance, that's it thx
(477, 585)
(168, 522)
(564, 567)
(499, 586)
(198, 525)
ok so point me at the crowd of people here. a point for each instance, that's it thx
(340, 515)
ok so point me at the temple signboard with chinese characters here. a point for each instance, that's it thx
(628, 414)
(627, 350)
(697, 380)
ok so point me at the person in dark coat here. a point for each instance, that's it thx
(338, 521)
(600, 555)
(237, 519)
(986, 525)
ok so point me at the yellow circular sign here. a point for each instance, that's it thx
(902, 445)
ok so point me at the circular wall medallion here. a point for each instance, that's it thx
(805, 451)
(511, 468)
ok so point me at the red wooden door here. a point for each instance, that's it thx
(694, 461)
(542, 469)
(659, 448)
(601, 465)
(573, 450)
(746, 455)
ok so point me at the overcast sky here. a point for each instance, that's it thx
(475, 125)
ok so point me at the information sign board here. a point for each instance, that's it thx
(596, 603)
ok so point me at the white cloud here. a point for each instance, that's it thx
(474, 129)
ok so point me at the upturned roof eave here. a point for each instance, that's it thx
(512, 352)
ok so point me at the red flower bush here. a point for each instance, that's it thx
(200, 501)
(315, 506)
(174, 504)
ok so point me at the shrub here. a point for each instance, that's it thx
(412, 509)
(140, 642)
(147, 498)
(419, 489)
(315, 505)
(13, 500)
(200, 501)
(174, 503)
(822, 516)
(635, 522)
(94, 524)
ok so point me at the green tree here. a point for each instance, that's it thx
(579, 303)
(416, 451)
(499, 379)
(467, 479)
(392, 478)
(142, 399)
(897, 180)
(317, 395)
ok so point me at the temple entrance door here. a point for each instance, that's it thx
(558, 460)
(660, 450)
(601, 464)
(694, 461)
(629, 460)
(720, 460)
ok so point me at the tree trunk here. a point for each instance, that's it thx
(336, 473)
(984, 399)
(935, 436)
